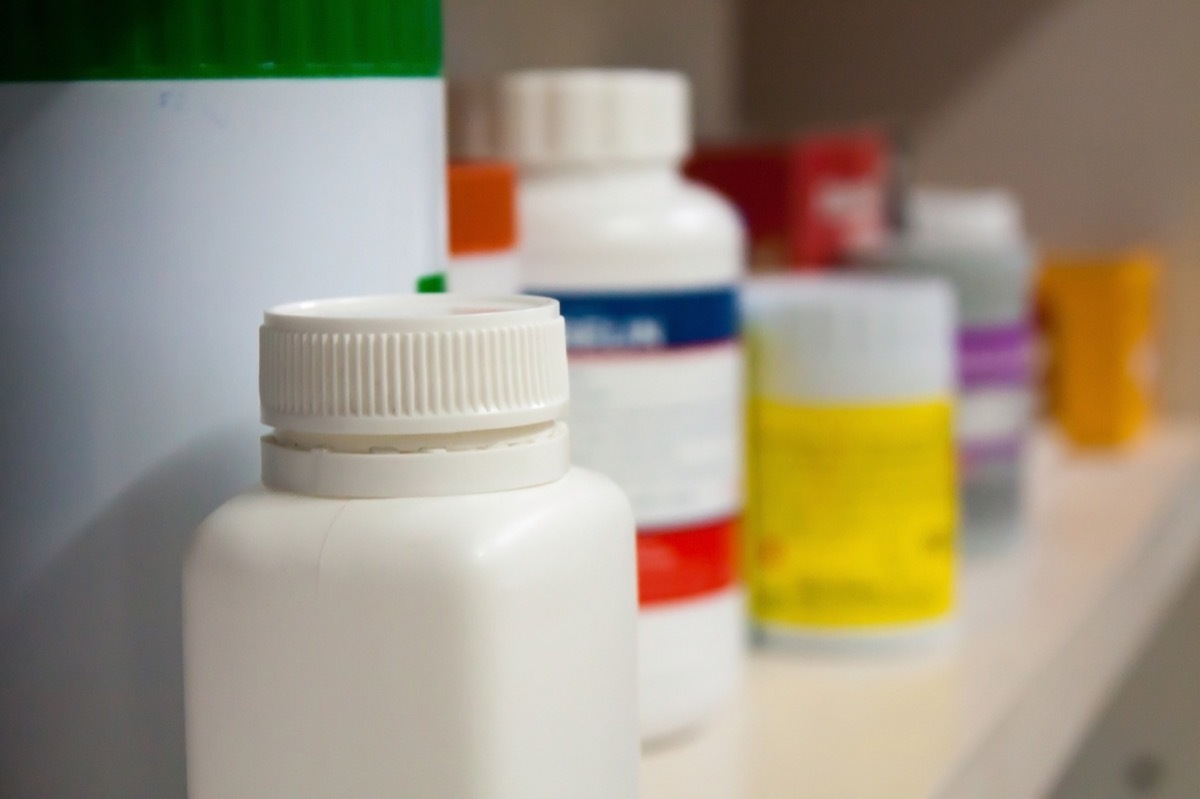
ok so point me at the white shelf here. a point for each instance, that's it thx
(996, 710)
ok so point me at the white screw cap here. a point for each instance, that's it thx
(980, 218)
(851, 340)
(974, 239)
(585, 117)
(412, 364)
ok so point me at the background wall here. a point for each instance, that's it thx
(698, 36)
(1088, 109)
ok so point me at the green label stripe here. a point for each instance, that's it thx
(154, 39)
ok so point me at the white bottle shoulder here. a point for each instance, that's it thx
(475, 646)
(623, 231)
(456, 537)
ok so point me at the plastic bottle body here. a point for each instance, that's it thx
(484, 273)
(995, 380)
(974, 241)
(189, 190)
(644, 264)
(476, 645)
(144, 225)
(1100, 319)
(995, 409)
(851, 518)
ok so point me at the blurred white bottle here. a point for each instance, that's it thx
(975, 241)
(645, 264)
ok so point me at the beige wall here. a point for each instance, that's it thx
(1094, 117)
(697, 36)
(1089, 109)
(815, 61)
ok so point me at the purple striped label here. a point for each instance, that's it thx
(1000, 355)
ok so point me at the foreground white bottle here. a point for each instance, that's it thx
(167, 170)
(645, 265)
(423, 599)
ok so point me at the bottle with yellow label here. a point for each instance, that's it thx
(852, 511)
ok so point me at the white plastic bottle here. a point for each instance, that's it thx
(168, 170)
(852, 518)
(423, 599)
(974, 240)
(645, 265)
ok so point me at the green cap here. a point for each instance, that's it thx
(434, 283)
(52, 40)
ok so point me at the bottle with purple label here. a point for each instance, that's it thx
(974, 239)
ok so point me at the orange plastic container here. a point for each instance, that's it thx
(1099, 318)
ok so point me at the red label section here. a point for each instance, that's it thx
(685, 562)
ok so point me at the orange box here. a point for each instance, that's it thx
(1099, 318)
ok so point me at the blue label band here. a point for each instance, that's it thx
(649, 320)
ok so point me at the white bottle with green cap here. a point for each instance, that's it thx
(168, 168)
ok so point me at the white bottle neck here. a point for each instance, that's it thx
(362, 467)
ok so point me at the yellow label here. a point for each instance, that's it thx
(851, 518)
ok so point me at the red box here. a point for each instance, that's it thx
(809, 203)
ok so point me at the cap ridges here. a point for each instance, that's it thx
(176, 39)
(412, 364)
(578, 117)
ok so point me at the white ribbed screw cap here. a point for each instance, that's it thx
(594, 117)
(846, 340)
(412, 364)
